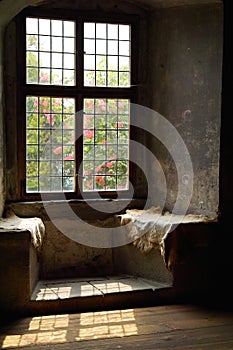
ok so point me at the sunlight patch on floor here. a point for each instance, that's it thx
(75, 327)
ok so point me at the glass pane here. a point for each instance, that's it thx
(69, 28)
(50, 144)
(44, 60)
(69, 45)
(106, 54)
(57, 60)
(101, 62)
(57, 44)
(32, 42)
(68, 77)
(44, 26)
(113, 79)
(44, 43)
(32, 25)
(101, 47)
(101, 30)
(124, 63)
(124, 79)
(113, 47)
(89, 30)
(124, 48)
(89, 62)
(113, 31)
(89, 46)
(51, 45)
(113, 63)
(124, 32)
(68, 61)
(32, 59)
(57, 27)
(105, 144)
(32, 184)
(57, 76)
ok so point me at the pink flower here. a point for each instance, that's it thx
(104, 141)
(89, 185)
(87, 121)
(44, 77)
(99, 168)
(69, 157)
(121, 104)
(57, 102)
(89, 104)
(57, 150)
(119, 124)
(99, 180)
(36, 103)
(112, 157)
(45, 103)
(109, 165)
(50, 119)
(86, 172)
(89, 133)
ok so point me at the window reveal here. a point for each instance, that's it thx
(63, 74)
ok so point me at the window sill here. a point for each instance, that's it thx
(85, 209)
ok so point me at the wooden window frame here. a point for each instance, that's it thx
(79, 92)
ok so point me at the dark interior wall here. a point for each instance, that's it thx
(2, 163)
(226, 146)
(2, 189)
(186, 65)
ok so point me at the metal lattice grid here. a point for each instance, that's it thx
(107, 54)
(50, 55)
(106, 144)
(50, 144)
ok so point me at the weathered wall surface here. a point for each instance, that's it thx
(185, 46)
(2, 187)
(8, 9)
(186, 63)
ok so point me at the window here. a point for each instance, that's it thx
(75, 89)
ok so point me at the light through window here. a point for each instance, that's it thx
(106, 144)
(50, 51)
(50, 147)
(74, 65)
(107, 54)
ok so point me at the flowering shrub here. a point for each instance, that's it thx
(105, 144)
(50, 144)
(50, 129)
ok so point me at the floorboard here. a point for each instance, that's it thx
(160, 327)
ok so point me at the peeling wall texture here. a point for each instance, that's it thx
(186, 64)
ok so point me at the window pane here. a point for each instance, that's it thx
(106, 49)
(50, 44)
(106, 144)
(32, 25)
(101, 30)
(69, 29)
(50, 151)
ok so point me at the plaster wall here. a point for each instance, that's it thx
(2, 153)
(184, 57)
(185, 54)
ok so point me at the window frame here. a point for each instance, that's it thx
(79, 92)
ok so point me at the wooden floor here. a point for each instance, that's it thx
(160, 327)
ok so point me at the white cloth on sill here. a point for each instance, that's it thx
(34, 225)
(149, 228)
